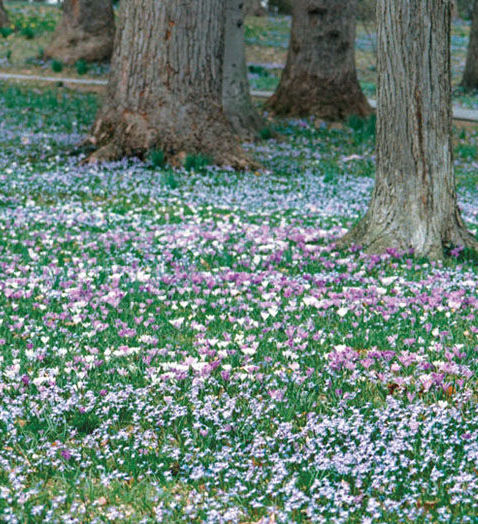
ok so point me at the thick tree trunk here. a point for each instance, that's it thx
(85, 32)
(320, 76)
(3, 16)
(414, 203)
(253, 8)
(165, 85)
(236, 99)
(470, 76)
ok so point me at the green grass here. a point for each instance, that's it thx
(197, 162)
(56, 66)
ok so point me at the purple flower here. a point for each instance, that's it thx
(66, 454)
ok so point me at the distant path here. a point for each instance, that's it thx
(459, 113)
(56, 79)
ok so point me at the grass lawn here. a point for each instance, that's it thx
(189, 346)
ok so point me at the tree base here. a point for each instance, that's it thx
(377, 238)
(69, 46)
(313, 96)
(131, 134)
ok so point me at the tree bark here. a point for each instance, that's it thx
(254, 8)
(236, 98)
(470, 76)
(413, 204)
(320, 76)
(165, 85)
(4, 22)
(85, 32)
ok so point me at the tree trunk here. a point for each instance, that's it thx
(254, 8)
(85, 32)
(236, 98)
(320, 76)
(165, 85)
(414, 203)
(470, 76)
(4, 22)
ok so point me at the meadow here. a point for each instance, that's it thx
(188, 345)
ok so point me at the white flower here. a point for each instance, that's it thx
(386, 281)
(142, 276)
(311, 301)
(177, 322)
(341, 312)
(273, 311)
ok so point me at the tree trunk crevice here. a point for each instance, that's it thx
(236, 98)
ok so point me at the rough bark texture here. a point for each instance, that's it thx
(165, 86)
(236, 99)
(85, 32)
(254, 8)
(414, 203)
(3, 16)
(320, 76)
(470, 76)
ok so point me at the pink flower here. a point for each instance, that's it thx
(367, 362)
(276, 394)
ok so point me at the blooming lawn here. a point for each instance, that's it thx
(189, 346)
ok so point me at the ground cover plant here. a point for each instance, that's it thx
(188, 345)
